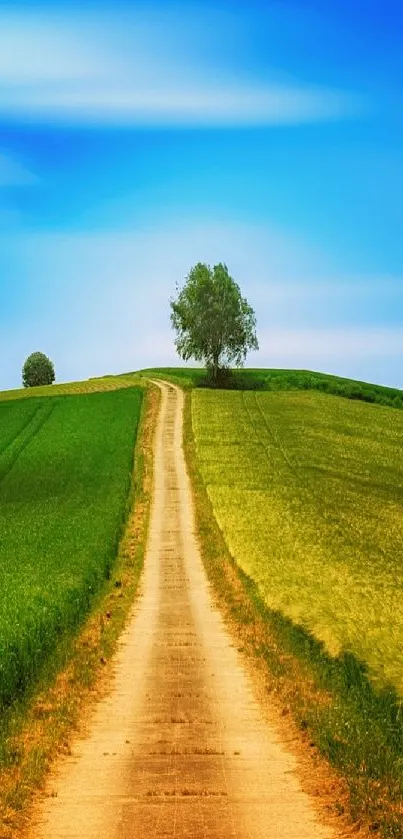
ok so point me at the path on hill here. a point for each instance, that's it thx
(179, 748)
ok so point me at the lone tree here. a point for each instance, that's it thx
(38, 370)
(213, 322)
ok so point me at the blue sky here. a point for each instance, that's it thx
(139, 138)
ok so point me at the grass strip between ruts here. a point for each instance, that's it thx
(339, 714)
(41, 725)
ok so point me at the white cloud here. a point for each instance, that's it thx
(105, 71)
(141, 105)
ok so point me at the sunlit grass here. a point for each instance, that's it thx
(308, 491)
(103, 383)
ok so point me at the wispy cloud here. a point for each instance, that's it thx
(321, 345)
(39, 47)
(121, 104)
(95, 70)
(13, 173)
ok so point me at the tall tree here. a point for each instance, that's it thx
(213, 322)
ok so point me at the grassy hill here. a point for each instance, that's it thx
(277, 380)
(246, 379)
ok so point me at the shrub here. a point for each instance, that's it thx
(38, 370)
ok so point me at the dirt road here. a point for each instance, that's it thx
(180, 747)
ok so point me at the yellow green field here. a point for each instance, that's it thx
(308, 491)
(97, 385)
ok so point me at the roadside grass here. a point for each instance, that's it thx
(39, 723)
(298, 498)
(185, 377)
(96, 385)
(280, 380)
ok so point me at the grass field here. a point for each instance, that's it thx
(65, 475)
(308, 491)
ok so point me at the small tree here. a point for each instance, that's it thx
(38, 370)
(213, 322)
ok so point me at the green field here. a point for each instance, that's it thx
(65, 477)
(308, 491)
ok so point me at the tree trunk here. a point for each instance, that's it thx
(215, 368)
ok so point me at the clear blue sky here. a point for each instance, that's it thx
(139, 138)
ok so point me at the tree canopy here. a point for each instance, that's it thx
(38, 370)
(214, 324)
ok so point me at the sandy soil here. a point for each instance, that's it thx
(180, 747)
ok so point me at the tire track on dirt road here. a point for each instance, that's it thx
(179, 747)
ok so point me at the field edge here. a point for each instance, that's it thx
(41, 726)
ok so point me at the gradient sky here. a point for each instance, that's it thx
(139, 138)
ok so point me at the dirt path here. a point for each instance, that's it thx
(179, 748)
